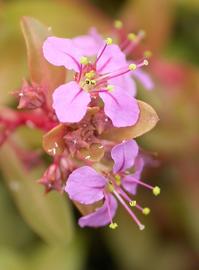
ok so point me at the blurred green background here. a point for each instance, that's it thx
(39, 232)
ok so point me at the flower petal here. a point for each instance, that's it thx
(85, 185)
(127, 181)
(129, 185)
(86, 45)
(60, 52)
(144, 78)
(124, 155)
(122, 108)
(97, 37)
(125, 82)
(101, 216)
(112, 59)
(70, 102)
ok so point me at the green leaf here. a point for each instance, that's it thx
(147, 120)
(47, 214)
(41, 72)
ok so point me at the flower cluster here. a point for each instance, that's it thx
(90, 119)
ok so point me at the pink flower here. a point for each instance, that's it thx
(105, 78)
(87, 186)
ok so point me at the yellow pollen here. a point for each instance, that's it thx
(146, 211)
(109, 41)
(133, 203)
(118, 179)
(113, 225)
(118, 24)
(110, 187)
(90, 75)
(146, 62)
(132, 66)
(110, 88)
(132, 36)
(156, 191)
(84, 60)
(147, 54)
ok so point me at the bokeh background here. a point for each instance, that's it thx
(37, 235)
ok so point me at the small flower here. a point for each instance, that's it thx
(106, 78)
(56, 174)
(86, 186)
(30, 96)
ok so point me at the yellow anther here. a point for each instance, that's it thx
(141, 227)
(110, 187)
(109, 41)
(84, 60)
(118, 179)
(156, 191)
(147, 54)
(132, 36)
(90, 74)
(133, 203)
(110, 88)
(113, 225)
(132, 66)
(93, 82)
(146, 211)
(118, 24)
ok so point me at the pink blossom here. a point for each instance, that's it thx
(87, 186)
(105, 77)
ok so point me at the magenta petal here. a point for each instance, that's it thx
(112, 59)
(120, 107)
(101, 216)
(129, 185)
(125, 82)
(87, 45)
(144, 78)
(60, 52)
(97, 37)
(124, 155)
(70, 102)
(85, 185)
(127, 181)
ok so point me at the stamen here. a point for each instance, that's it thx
(90, 74)
(156, 191)
(132, 66)
(84, 60)
(108, 41)
(146, 211)
(135, 41)
(142, 183)
(140, 225)
(147, 54)
(116, 73)
(113, 225)
(118, 24)
(132, 203)
(132, 37)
